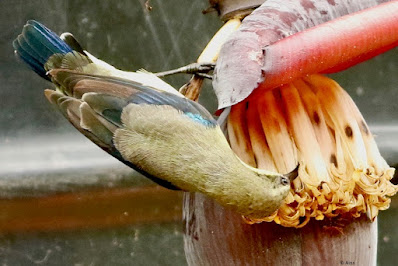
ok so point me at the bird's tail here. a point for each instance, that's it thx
(43, 50)
(36, 44)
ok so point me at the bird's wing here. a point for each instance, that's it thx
(92, 94)
(94, 105)
(76, 84)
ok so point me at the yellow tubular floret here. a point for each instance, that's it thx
(314, 122)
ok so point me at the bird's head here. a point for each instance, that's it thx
(268, 194)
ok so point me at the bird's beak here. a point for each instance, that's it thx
(293, 174)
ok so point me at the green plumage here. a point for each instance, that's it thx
(145, 123)
(195, 158)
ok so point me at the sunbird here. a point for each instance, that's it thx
(146, 124)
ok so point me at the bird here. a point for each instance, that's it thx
(145, 123)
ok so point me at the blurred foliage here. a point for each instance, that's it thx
(123, 33)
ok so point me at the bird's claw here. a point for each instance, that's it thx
(200, 69)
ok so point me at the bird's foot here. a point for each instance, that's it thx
(199, 69)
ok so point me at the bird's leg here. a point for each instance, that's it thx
(206, 61)
(200, 69)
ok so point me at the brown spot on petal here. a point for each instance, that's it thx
(255, 160)
(348, 131)
(368, 172)
(316, 118)
(333, 160)
(321, 184)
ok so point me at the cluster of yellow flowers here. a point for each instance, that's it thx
(315, 123)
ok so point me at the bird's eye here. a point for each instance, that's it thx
(284, 181)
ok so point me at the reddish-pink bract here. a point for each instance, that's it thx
(332, 46)
(261, 51)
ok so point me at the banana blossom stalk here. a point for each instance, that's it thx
(281, 111)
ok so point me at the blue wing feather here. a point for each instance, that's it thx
(141, 95)
(198, 118)
(193, 110)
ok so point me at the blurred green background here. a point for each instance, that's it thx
(42, 155)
